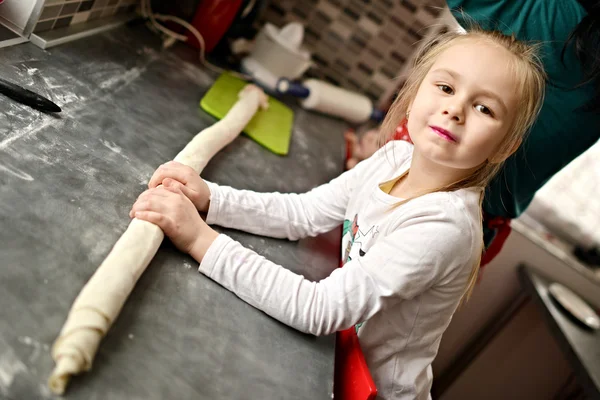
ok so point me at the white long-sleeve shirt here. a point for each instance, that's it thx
(406, 267)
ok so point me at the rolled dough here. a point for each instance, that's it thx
(101, 299)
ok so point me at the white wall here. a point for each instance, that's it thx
(17, 12)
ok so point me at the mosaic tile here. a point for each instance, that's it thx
(60, 13)
(359, 44)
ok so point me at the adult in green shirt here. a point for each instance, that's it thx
(569, 122)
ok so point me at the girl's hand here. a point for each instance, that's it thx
(178, 176)
(174, 213)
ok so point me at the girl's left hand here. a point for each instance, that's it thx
(176, 215)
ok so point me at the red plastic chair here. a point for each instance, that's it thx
(352, 379)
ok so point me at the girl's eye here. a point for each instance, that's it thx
(446, 89)
(483, 109)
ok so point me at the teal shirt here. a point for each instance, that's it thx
(561, 132)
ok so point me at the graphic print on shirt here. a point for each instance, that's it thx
(355, 240)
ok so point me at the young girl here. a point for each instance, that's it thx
(411, 214)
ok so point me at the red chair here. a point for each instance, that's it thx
(352, 379)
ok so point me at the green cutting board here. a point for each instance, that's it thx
(271, 128)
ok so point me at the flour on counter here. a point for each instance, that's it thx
(37, 347)
(123, 79)
(112, 146)
(10, 366)
(16, 173)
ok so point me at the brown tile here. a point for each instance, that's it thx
(385, 3)
(387, 71)
(95, 15)
(359, 77)
(347, 58)
(403, 48)
(404, 15)
(373, 52)
(50, 12)
(80, 17)
(364, 68)
(99, 4)
(398, 22)
(344, 31)
(86, 5)
(333, 39)
(108, 12)
(351, 13)
(274, 18)
(333, 78)
(70, 8)
(433, 10)
(392, 64)
(321, 18)
(424, 17)
(275, 8)
(328, 9)
(369, 26)
(44, 26)
(353, 48)
(303, 10)
(375, 16)
(353, 84)
(311, 36)
(375, 89)
(397, 57)
(320, 61)
(62, 22)
(409, 5)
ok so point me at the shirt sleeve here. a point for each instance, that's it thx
(290, 215)
(426, 250)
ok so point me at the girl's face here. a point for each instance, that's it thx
(465, 105)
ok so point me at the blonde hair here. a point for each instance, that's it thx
(528, 70)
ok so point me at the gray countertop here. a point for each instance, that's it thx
(67, 183)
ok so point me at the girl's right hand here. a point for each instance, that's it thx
(178, 176)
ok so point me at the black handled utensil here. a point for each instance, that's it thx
(27, 97)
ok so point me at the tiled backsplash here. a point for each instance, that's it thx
(60, 13)
(361, 45)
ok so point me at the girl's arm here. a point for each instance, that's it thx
(423, 252)
(292, 216)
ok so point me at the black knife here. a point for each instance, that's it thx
(27, 97)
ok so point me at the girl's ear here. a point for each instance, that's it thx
(498, 158)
